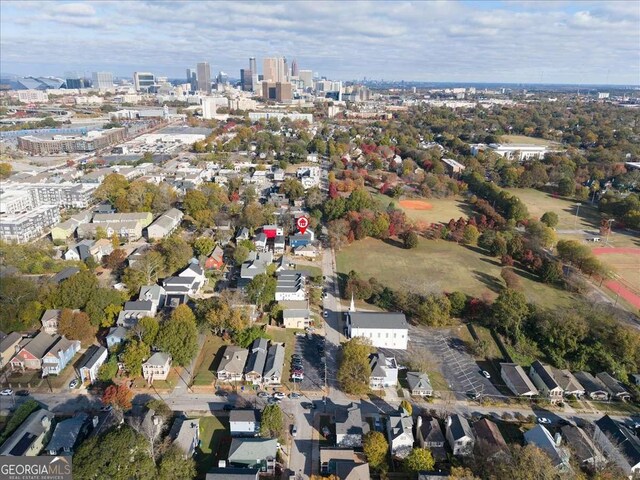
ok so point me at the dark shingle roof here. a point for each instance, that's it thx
(622, 438)
(545, 375)
(378, 320)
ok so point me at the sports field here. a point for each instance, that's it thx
(626, 263)
(428, 210)
(525, 140)
(437, 266)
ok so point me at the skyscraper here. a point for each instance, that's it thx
(102, 80)
(204, 77)
(307, 78)
(246, 80)
(294, 68)
(253, 68)
(275, 69)
(143, 81)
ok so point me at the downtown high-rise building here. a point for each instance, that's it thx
(204, 77)
(294, 68)
(143, 81)
(102, 80)
(307, 78)
(275, 69)
(192, 80)
(253, 67)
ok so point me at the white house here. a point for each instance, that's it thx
(290, 286)
(419, 384)
(384, 371)
(165, 224)
(243, 423)
(93, 359)
(459, 435)
(382, 329)
(157, 367)
(231, 367)
(400, 434)
(274, 365)
(349, 426)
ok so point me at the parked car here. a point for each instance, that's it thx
(294, 431)
(296, 379)
(22, 393)
(222, 393)
(296, 356)
(325, 314)
(263, 394)
(73, 383)
(543, 420)
(271, 400)
(106, 408)
(294, 395)
(486, 374)
(6, 392)
(308, 405)
(300, 334)
(279, 395)
(228, 407)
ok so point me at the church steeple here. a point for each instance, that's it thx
(352, 307)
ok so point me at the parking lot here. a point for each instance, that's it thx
(458, 367)
(312, 362)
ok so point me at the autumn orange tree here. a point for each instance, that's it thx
(118, 396)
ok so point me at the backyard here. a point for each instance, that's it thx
(214, 443)
(439, 266)
(204, 368)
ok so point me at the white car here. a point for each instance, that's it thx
(279, 395)
(543, 420)
(486, 374)
(298, 376)
(294, 431)
(325, 314)
(6, 392)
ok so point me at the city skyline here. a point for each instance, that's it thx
(510, 42)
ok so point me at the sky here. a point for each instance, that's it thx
(583, 42)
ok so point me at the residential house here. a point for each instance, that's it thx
(256, 361)
(100, 249)
(582, 446)
(568, 383)
(516, 380)
(349, 426)
(307, 251)
(231, 367)
(154, 294)
(157, 367)
(230, 473)
(66, 229)
(133, 311)
(129, 231)
(116, 336)
(29, 438)
(260, 241)
(64, 274)
(301, 240)
(541, 438)
(8, 347)
(594, 388)
(185, 434)
(165, 224)
(244, 423)
(144, 219)
(616, 390)
(429, 435)
(619, 444)
(243, 234)
(278, 244)
(255, 265)
(384, 371)
(290, 286)
(296, 317)
(59, 356)
(459, 435)
(400, 434)
(215, 261)
(135, 252)
(31, 350)
(274, 365)
(79, 251)
(272, 231)
(50, 319)
(68, 434)
(384, 330)
(419, 384)
(187, 283)
(489, 440)
(91, 362)
(344, 463)
(254, 453)
(543, 379)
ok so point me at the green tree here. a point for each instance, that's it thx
(178, 336)
(375, 447)
(435, 310)
(420, 459)
(272, 422)
(108, 370)
(203, 245)
(410, 239)
(194, 201)
(113, 187)
(550, 219)
(100, 306)
(566, 186)
(240, 254)
(354, 369)
(245, 337)
(292, 188)
(470, 235)
(134, 355)
(119, 454)
(509, 311)
(551, 271)
(173, 465)
(406, 406)
(458, 301)
(147, 329)
(19, 415)
(5, 170)
(262, 290)
(176, 253)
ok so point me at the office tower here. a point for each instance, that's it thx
(143, 81)
(73, 80)
(294, 68)
(254, 73)
(208, 108)
(188, 75)
(284, 74)
(246, 80)
(275, 69)
(204, 77)
(307, 78)
(279, 91)
(222, 77)
(102, 80)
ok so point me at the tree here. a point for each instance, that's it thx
(420, 459)
(245, 337)
(134, 355)
(176, 253)
(150, 266)
(178, 336)
(462, 473)
(108, 370)
(261, 290)
(113, 186)
(147, 330)
(292, 188)
(314, 198)
(118, 396)
(240, 254)
(103, 304)
(76, 326)
(458, 301)
(410, 239)
(118, 454)
(470, 235)
(550, 219)
(566, 186)
(5, 170)
(272, 422)
(375, 447)
(406, 406)
(173, 465)
(115, 260)
(551, 271)
(510, 278)
(19, 415)
(509, 312)
(354, 369)
(203, 245)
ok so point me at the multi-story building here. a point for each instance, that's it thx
(279, 91)
(274, 69)
(143, 81)
(382, 329)
(33, 96)
(512, 151)
(94, 140)
(307, 78)
(14, 201)
(246, 79)
(204, 77)
(294, 116)
(27, 226)
(103, 80)
(65, 195)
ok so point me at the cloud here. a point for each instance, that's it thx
(445, 41)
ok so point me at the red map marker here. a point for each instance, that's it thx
(303, 223)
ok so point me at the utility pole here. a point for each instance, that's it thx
(575, 226)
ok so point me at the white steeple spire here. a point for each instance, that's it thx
(352, 307)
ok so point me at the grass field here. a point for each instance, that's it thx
(438, 266)
(525, 140)
(203, 374)
(442, 209)
(214, 443)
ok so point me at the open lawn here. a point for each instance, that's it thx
(493, 352)
(438, 266)
(203, 374)
(525, 140)
(428, 210)
(214, 443)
